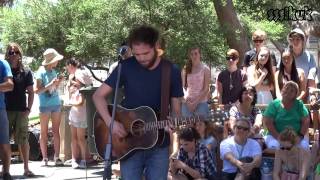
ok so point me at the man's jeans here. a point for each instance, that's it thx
(152, 163)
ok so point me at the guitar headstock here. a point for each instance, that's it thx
(218, 116)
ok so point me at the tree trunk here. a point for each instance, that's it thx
(230, 25)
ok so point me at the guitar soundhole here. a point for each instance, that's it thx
(137, 128)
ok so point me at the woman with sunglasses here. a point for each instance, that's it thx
(47, 82)
(290, 160)
(261, 76)
(195, 81)
(245, 109)
(241, 155)
(17, 104)
(231, 80)
(289, 72)
(259, 38)
(288, 111)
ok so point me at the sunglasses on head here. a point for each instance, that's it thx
(286, 148)
(11, 53)
(242, 128)
(258, 40)
(233, 58)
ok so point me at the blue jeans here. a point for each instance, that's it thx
(202, 109)
(153, 163)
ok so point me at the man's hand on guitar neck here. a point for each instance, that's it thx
(119, 130)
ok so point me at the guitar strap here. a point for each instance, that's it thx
(165, 97)
(165, 88)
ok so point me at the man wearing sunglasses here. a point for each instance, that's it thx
(258, 38)
(231, 80)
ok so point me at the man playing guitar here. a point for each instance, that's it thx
(141, 79)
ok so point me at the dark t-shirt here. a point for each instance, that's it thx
(142, 87)
(230, 94)
(16, 100)
(250, 56)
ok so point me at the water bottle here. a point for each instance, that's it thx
(266, 173)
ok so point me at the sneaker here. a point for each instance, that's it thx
(44, 162)
(6, 176)
(83, 164)
(58, 162)
(74, 164)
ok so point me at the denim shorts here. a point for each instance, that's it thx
(4, 127)
(202, 109)
(50, 109)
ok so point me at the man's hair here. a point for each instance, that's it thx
(259, 34)
(188, 134)
(143, 34)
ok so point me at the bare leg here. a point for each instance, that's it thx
(44, 119)
(24, 151)
(82, 142)
(74, 143)
(56, 119)
(5, 157)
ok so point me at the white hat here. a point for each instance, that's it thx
(51, 56)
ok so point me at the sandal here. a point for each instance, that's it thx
(28, 174)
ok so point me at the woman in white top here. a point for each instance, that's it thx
(260, 75)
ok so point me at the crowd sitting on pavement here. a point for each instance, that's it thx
(280, 128)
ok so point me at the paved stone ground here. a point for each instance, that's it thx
(57, 173)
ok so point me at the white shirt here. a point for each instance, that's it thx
(250, 149)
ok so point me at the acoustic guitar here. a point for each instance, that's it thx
(142, 127)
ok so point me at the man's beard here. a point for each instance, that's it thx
(153, 61)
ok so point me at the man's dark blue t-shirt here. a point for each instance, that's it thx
(142, 87)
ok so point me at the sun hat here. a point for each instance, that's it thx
(51, 56)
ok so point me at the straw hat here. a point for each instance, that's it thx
(51, 56)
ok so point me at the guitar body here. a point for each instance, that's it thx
(134, 122)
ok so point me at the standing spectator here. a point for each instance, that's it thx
(78, 78)
(231, 80)
(284, 112)
(195, 81)
(260, 76)
(47, 82)
(259, 38)
(6, 84)
(289, 72)
(241, 155)
(17, 105)
(194, 159)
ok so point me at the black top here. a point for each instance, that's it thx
(16, 100)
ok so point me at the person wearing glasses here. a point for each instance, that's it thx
(290, 160)
(17, 104)
(194, 160)
(288, 111)
(195, 81)
(261, 76)
(241, 155)
(231, 80)
(259, 38)
(289, 72)
(46, 86)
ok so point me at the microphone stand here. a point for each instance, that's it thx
(107, 173)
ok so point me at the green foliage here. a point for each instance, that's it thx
(93, 29)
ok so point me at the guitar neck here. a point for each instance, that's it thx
(175, 122)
